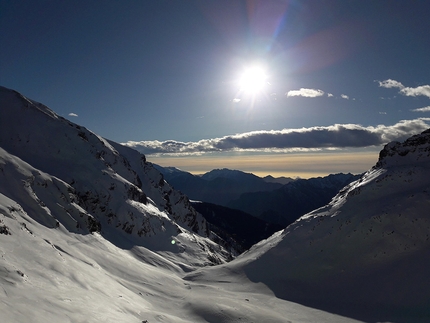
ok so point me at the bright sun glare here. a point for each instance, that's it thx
(253, 79)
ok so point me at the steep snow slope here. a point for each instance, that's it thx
(366, 254)
(111, 188)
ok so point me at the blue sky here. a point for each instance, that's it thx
(342, 77)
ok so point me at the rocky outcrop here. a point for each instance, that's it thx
(394, 153)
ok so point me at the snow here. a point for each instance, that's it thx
(51, 275)
(64, 257)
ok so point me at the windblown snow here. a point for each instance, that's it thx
(90, 232)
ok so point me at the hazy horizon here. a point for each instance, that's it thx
(304, 165)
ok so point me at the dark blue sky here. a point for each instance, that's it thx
(167, 70)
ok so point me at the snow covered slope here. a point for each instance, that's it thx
(366, 254)
(63, 175)
(51, 275)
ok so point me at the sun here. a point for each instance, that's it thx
(253, 79)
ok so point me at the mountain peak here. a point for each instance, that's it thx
(227, 173)
(414, 149)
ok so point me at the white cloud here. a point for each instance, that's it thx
(417, 91)
(236, 100)
(308, 93)
(329, 95)
(71, 114)
(425, 109)
(329, 137)
(344, 96)
(390, 84)
(423, 90)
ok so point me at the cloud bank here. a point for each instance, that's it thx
(423, 90)
(425, 109)
(308, 93)
(314, 138)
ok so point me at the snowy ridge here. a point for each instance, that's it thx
(109, 187)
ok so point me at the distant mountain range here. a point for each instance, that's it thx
(284, 205)
(219, 186)
(281, 180)
(265, 198)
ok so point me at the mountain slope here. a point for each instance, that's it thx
(366, 254)
(111, 188)
(51, 275)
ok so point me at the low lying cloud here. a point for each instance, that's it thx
(71, 114)
(305, 139)
(425, 109)
(423, 90)
(308, 93)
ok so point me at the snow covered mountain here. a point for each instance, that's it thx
(64, 176)
(366, 254)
